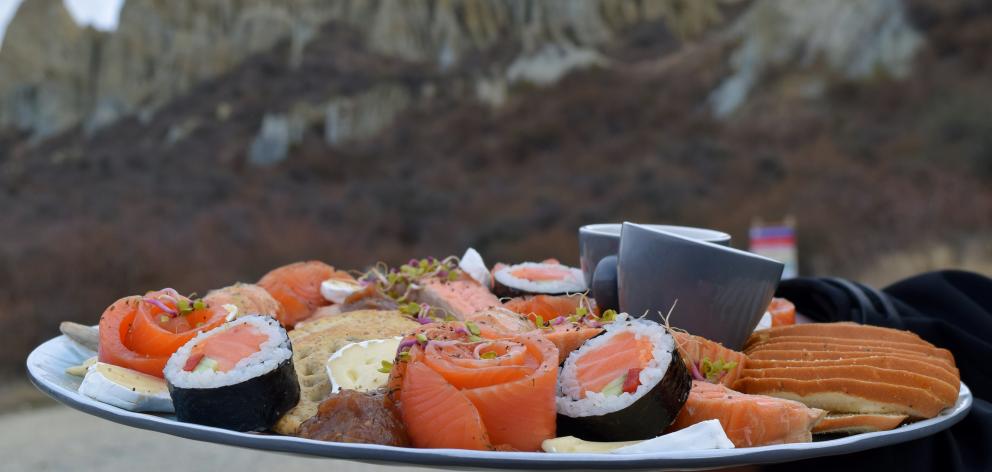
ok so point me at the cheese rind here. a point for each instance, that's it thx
(126, 388)
(357, 366)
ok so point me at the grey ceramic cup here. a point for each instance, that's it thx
(722, 292)
(600, 240)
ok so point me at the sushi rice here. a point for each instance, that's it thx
(271, 353)
(511, 285)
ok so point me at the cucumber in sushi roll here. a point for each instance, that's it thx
(626, 384)
(237, 376)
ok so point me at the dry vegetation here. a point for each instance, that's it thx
(868, 169)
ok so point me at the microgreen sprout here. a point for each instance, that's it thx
(399, 283)
(472, 328)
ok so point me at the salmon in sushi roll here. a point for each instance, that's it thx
(238, 376)
(626, 384)
(548, 278)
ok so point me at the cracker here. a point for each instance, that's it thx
(315, 341)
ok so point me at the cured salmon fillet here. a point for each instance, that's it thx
(547, 307)
(783, 312)
(791, 341)
(841, 423)
(452, 393)
(696, 351)
(297, 289)
(748, 420)
(885, 362)
(458, 298)
(844, 329)
(567, 336)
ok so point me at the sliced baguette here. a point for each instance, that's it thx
(847, 348)
(835, 330)
(844, 423)
(883, 361)
(920, 348)
(945, 392)
(848, 395)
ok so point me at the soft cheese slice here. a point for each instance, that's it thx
(337, 290)
(126, 388)
(359, 366)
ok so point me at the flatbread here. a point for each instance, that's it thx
(315, 341)
(842, 423)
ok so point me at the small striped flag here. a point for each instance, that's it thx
(776, 242)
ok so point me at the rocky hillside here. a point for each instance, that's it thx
(162, 49)
(352, 148)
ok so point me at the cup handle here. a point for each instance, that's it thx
(604, 284)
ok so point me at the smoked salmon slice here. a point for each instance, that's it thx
(440, 403)
(783, 312)
(748, 420)
(458, 298)
(297, 289)
(456, 390)
(708, 360)
(142, 332)
(552, 310)
(548, 307)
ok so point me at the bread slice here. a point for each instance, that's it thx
(945, 392)
(920, 348)
(844, 423)
(921, 367)
(848, 348)
(848, 395)
(314, 342)
(845, 329)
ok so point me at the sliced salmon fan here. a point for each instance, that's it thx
(566, 320)
(748, 420)
(458, 390)
(297, 289)
(708, 360)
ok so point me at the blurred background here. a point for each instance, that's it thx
(151, 143)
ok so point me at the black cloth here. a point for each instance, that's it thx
(951, 309)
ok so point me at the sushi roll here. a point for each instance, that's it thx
(623, 385)
(238, 376)
(538, 278)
